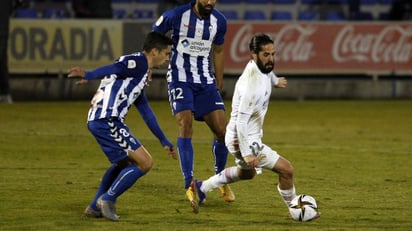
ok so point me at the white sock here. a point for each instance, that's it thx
(287, 194)
(228, 175)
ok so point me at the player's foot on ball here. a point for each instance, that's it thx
(89, 212)
(191, 194)
(227, 193)
(108, 209)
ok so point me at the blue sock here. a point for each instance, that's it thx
(127, 177)
(107, 180)
(185, 150)
(220, 154)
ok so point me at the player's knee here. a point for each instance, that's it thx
(184, 120)
(146, 165)
(220, 137)
(220, 134)
(185, 129)
(141, 158)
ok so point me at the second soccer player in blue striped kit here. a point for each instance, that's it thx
(195, 78)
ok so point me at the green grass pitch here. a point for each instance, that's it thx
(354, 157)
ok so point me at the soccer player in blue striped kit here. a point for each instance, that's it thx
(198, 33)
(121, 86)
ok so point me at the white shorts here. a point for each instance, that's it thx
(267, 156)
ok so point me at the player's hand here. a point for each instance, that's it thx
(81, 82)
(283, 82)
(252, 161)
(170, 151)
(76, 72)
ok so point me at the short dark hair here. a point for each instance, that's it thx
(258, 41)
(156, 40)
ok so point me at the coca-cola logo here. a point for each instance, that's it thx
(328, 46)
(390, 44)
(292, 41)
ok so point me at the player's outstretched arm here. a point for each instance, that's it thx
(150, 119)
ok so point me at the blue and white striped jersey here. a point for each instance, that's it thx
(193, 38)
(122, 84)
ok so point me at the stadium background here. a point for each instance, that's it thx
(325, 50)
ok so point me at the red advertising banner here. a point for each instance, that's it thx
(326, 47)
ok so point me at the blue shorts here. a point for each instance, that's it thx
(200, 99)
(114, 138)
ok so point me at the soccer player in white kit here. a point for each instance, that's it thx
(244, 130)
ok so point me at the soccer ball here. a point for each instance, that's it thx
(303, 208)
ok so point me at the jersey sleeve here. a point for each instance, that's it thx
(164, 22)
(150, 119)
(274, 79)
(125, 66)
(221, 31)
(245, 111)
(132, 65)
(242, 133)
(101, 72)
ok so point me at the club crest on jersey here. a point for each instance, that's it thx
(131, 64)
(185, 43)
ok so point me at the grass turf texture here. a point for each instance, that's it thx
(354, 157)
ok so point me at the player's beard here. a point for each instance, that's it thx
(203, 11)
(265, 68)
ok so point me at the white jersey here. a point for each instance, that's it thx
(249, 106)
